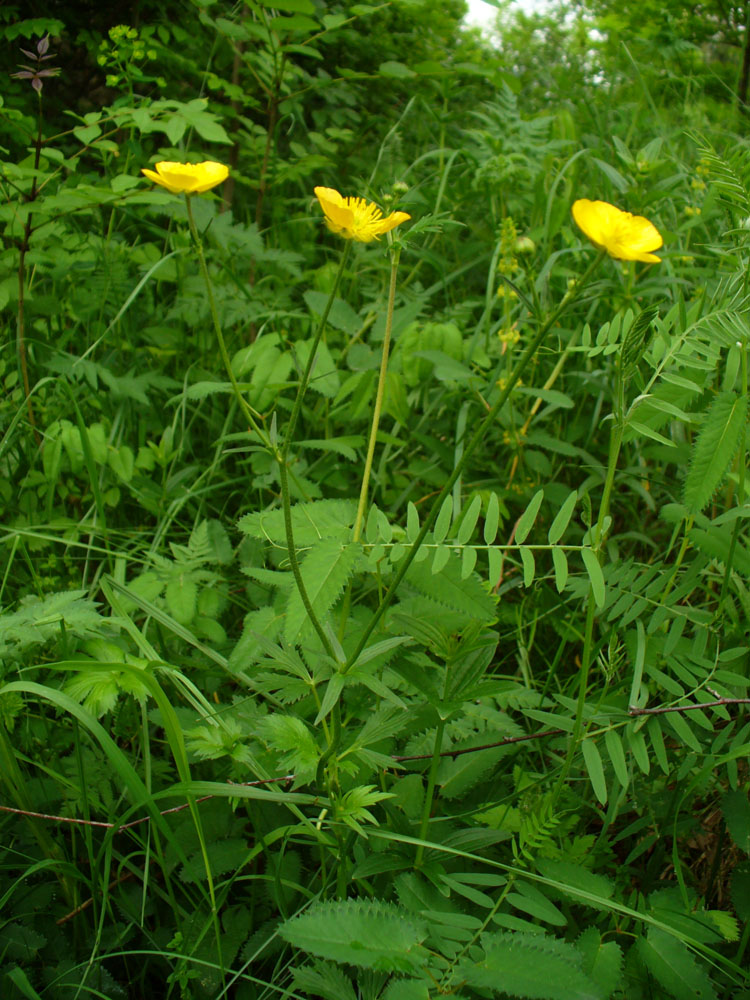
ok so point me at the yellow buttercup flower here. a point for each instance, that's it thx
(622, 235)
(188, 178)
(355, 218)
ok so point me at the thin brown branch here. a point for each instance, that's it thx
(688, 708)
(485, 746)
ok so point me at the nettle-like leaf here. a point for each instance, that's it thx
(714, 449)
(531, 965)
(672, 964)
(326, 570)
(311, 522)
(323, 979)
(363, 932)
(447, 590)
(602, 962)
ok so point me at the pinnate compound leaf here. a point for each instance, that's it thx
(532, 966)
(326, 570)
(714, 449)
(672, 964)
(362, 932)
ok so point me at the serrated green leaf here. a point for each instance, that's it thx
(326, 569)
(366, 933)
(533, 966)
(311, 522)
(672, 964)
(449, 590)
(602, 962)
(714, 449)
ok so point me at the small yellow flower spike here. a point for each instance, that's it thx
(188, 178)
(622, 235)
(355, 218)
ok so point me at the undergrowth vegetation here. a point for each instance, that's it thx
(374, 587)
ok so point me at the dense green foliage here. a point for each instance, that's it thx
(463, 713)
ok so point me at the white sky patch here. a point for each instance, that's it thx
(482, 15)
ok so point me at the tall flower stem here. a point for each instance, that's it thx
(471, 446)
(244, 406)
(597, 540)
(395, 254)
(282, 457)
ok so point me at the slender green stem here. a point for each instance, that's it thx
(302, 387)
(597, 540)
(395, 254)
(476, 438)
(282, 457)
(247, 411)
(430, 793)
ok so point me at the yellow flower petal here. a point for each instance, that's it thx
(355, 218)
(624, 236)
(188, 178)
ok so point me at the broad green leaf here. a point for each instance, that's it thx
(536, 966)
(366, 933)
(673, 966)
